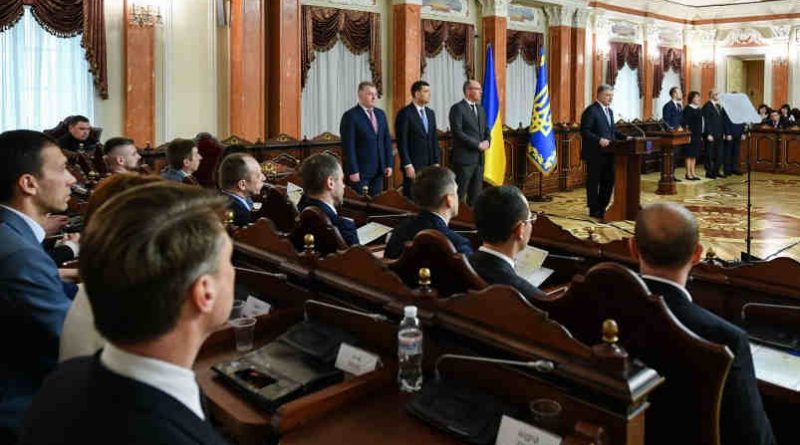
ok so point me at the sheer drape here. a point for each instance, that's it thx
(627, 103)
(446, 76)
(520, 91)
(670, 79)
(43, 78)
(331, 88)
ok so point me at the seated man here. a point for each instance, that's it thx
(240, 178)
(666, 244)
(121, 155)
(504, 224)
(323, 182)
(157, 269)
(182, 161)
(77, 138)
(34, 181)
(776, 121)
(436, 193)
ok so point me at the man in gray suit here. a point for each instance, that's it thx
(470, 132)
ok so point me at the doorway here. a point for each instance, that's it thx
(754, 80)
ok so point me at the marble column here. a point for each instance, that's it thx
(283, 67)
(140, 81)
(406, 50)
(495, 13)
(577, 60)
(247, 117)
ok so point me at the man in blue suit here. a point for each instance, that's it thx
(34, 181)
(366, 142)
(323, 182)
(436, 193)
(417, 141)
(672, 113)
(240, 178)
(597, 132)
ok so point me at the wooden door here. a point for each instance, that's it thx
(754, 81)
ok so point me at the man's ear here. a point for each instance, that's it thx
(202, 294)
(698, 254)
(27, 184)
(519, 231)
(241, 184)
(330, 183)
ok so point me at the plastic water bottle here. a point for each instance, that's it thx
(409, 351)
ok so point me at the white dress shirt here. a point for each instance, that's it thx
(664, 280)
(171, 379)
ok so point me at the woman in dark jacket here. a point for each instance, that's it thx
(693, 118)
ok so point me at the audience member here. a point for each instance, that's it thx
(183, 159)
(77, 138)
(240, 178)
(504, 223)
(79, 336)
(763, 112)
(666, 244)
(157, 269)
(34, 181)
(323, 187)
(436, 193)
(786, 115)
(121, 155)
(775, 120)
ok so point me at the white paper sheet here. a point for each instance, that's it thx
(776, 367)
(528, 265)
(372, 231)
(294, 192)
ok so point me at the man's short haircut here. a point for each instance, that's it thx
(711, 92)
(112, 186)
(233, 169)
(603, 87)
(497, 212)
(20, 153)
(666, 234)
(141, 253)
(417, 86)
(692, 95)
(673, 90)
(365, 84)
(431, 185)
(316, 170)
(113, 143)
(73, 120)
(178, 150)
(466, 85)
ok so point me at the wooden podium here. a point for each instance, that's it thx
(668, 141)
(627, 176)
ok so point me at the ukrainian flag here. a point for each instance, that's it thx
(495, 157)
(541, 139)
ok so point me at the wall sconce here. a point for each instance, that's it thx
(145, 14)
(602, 47)
(778, 55)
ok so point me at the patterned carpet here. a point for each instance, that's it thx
(720, 206)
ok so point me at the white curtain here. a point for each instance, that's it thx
(671, 79)
(446, 76)
(43, 78)
(331, 89)
(520, 92)
(627, 104)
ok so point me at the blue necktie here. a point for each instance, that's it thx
(424, 117)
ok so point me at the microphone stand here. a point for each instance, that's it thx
(746, 256)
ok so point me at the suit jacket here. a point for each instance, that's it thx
(365, 152)
(734, 130)
(594, 126)
(242, 216)
(416, 146)
(468, 132)
(33, 305)
(742, 417)
(694, 121)
(84, 402)
(170, 174)
(782, 123)
(347, 228)
(409, 228)
(496, 271)
(67, 142)
(713, 121)
(673, 117)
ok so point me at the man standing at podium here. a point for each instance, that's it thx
(597, 132)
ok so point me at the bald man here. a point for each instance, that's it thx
(714, 134)
(666, 244)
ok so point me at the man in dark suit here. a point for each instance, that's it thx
(598, 131)
(157, 291)
(78, 136)
(417, 141)
(183, 160)
(733, 141)
(470, 131)
(504, 224)
(436, 193)
(240, 178)
(714, 134)
(776, 121)
(323, 187)
(672, 113)
(366, 142)
(34, 301)
(666, 244)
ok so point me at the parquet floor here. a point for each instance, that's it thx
(720, 206)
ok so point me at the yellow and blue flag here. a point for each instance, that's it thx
(541, 139)
(494, 170)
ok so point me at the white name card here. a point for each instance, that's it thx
(355, 361)
(253, 307)
(294, 192)
(372, 231)
(514, 432)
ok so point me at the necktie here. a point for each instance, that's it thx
(475, 109)
(717, 108)
(424, 118)
(372, 120)
(608, 115)
(679, 106)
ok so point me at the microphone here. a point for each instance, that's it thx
(391, 215)
(465, 231)
(577, 259)
(663, 125)
(370, 315)
(542, 366)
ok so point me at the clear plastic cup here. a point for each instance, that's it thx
(243, 329)
(236, 309)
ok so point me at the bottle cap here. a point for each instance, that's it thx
(410, 311)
